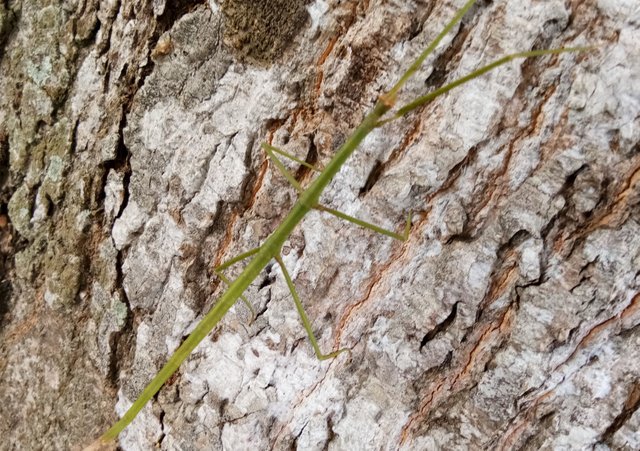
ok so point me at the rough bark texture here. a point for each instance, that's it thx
(130, 166)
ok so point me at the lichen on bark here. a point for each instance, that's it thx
(261, 30)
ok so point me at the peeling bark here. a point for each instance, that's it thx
(130, 166)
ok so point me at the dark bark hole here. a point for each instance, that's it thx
(174, 10)
(631, 405)
(5, 296)
(311, 158)
(266, 281)
(441, 327)
(373, 178)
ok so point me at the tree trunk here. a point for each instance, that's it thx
(130, 166)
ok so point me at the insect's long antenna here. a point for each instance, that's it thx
(423, 100)
(423, 56)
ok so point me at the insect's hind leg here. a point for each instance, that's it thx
(218, 270)
(303, 315)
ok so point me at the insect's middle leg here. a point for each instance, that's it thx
(402, 237)
(303, 315)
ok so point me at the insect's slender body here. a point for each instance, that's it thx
(268, 251)
(308, 199)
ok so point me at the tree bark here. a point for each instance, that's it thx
(130, 166)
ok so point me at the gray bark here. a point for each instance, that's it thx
(131, 166)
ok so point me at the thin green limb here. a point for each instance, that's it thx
(294, 158)
(270, 152)
(237, 259)
(242, 296)
(423, 56)
(402, 237)
(303, 315)
(218, 270)
(420, 101)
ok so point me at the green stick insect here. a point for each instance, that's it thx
(308, 200)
